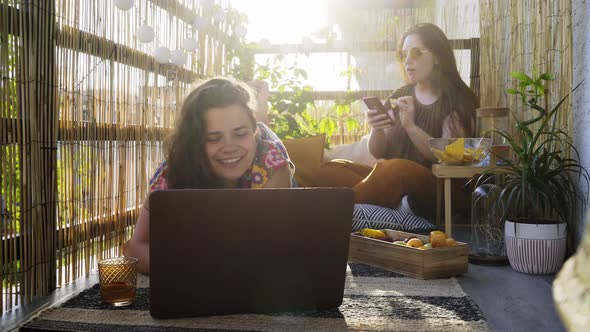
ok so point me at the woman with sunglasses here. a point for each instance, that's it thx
(217, 143)
(434, 103)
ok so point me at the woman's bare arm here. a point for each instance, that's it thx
(139, 245)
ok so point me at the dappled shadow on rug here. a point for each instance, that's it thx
(374, 300)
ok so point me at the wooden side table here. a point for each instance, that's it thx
(446, 173)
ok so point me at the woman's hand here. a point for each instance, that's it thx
(378, 120)
(406, 111)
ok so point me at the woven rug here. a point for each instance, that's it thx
(374, 300)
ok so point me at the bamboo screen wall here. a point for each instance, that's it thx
(84, 107)
(519, 35)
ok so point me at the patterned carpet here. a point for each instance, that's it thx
(374, 300)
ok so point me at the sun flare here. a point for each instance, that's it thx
(281, 21)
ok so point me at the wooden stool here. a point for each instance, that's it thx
(446, 173)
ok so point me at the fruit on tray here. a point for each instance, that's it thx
(426, 246)
(415, 243)
(433, 233)
(373, 233)
(451, 242)
(436, 239)
(409, 238)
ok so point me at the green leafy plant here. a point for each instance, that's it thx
(341, 115)
(288, 115)
(540, 184)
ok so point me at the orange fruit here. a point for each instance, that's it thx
(451, 242)
(433, 233)
(438, 240)
(415, 243)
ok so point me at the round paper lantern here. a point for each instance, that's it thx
(162, 54)
(189, 44)
(200, 23)
(145, 34)
(306, 43)
(219, 15)
(240, 31)
(206, 3)
(264, 43)
(391, 68)
(179, 57)
(124, 4)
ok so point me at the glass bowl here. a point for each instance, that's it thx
(449, 151)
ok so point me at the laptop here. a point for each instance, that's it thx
(230, 251)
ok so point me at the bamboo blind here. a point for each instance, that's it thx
(519, 35)
(84, 108)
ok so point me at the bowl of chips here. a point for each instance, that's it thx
(460, 151)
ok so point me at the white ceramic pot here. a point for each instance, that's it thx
(535, 248)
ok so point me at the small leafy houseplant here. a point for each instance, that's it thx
(540, 184)
(289, 114)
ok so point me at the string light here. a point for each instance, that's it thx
(179, 57)
(162, 54)
(189, 44)
(145, 34)
(240, 31)
(124, 4)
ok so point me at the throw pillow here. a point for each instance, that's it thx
(378, 217)
(341, 173)
(307, 154)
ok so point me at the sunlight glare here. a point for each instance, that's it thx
(281, 21)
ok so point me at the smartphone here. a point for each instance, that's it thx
(374, 103)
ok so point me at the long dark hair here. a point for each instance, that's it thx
(456, 95)
(188, 166)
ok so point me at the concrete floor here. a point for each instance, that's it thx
(510, 300)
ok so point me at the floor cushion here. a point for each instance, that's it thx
(378, 217)
(307, 154)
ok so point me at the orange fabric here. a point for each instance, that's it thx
(341, 173)
(393, 179)
(307, 154)
(388, 182)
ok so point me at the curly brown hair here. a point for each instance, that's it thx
(188, 166)
(456, 95)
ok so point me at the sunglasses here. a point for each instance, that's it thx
(414, 53)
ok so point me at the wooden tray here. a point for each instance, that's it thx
(422, 264)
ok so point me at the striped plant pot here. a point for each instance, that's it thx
(535, 249)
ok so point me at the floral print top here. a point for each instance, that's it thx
(270, 156)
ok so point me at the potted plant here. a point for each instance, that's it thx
(539, 190)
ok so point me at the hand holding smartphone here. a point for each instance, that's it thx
(374, 103)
